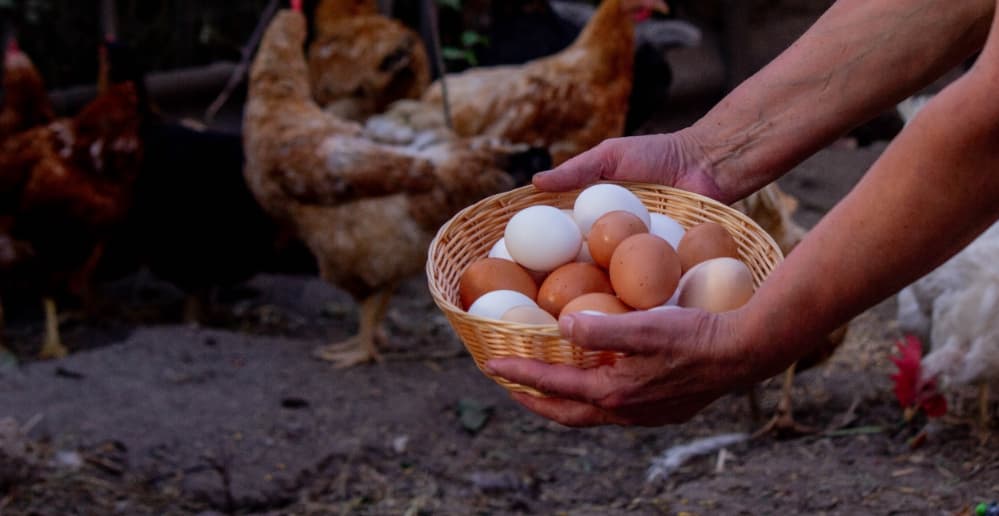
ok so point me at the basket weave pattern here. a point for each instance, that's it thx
(470, 234)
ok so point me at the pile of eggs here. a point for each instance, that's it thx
(608, 255)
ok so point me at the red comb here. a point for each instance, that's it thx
(296, 5)
(909, 370)
(642, 14)
(12, 46)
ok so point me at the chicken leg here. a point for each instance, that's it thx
(52, 346)
(783, 422)
(362, 347)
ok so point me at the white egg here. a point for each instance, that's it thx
(591, 312)
(496, 303)
(499, 250)
(542, 238)
(595, 201)
(584, 254)
(716, 285)
(663, 308)
(666, 229)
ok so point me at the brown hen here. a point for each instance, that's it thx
(26, 103)
(567, 102)
(64, 186)
(361, 61)
(366, 210)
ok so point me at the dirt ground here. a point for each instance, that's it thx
(151, 416)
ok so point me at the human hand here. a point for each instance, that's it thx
(675, 159)
(677, 363)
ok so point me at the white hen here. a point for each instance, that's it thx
(956, 307)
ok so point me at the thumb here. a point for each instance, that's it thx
(577, 172)
(640, 332)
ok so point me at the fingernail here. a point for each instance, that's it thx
(488, 368)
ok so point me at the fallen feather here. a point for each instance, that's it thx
(663, 465)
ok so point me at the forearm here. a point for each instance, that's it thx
(860, 58)
(933, 190)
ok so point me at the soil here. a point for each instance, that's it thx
(152, 416)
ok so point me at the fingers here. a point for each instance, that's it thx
(577, 172)
(590, 385)
(640, 332)
(565, 412)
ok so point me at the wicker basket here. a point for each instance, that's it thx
(470, 234)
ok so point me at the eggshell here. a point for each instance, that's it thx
(569, 282)
(499, 250)
(609, 231)
(716, 285)
(542, 238)
(525, 314)
(496, 303)
(667, 229)
(597, 302)
(705, 241)
(491, 274)
(593, 202)
(644, 271)
(584, 254)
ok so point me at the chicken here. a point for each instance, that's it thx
(218, 235)
(360, 61)
(63, 187)
(26, 103)
(567, 102)
(366, 210)
(955, 308)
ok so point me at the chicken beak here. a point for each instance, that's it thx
(659, 6)
(908, 414)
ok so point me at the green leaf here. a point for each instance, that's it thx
(7, 4)
(473, 415)
(470, 38)
(459, 54)
(453, 4)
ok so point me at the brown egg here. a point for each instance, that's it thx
(569, 282)
(610, 230)
(705, 241)
(597, 302)
(644, 271)
(491, 274)
(716, 285)
(528, 315)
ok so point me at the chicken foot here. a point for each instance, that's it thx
(52, 345)
(362, 347)
(783, 423)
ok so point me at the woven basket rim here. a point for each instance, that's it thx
(433, 278)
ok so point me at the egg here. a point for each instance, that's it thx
(569, 282)
(496, 303)
(644, 271)
(595, 302)
(593, 202)
(667, 229)
(525, 314)
(610, 230)
(499, 250)
(491, 274)
(716, 285)
(542, 238)
(584, 253)
(705, 241)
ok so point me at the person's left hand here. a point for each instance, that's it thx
(677, 363)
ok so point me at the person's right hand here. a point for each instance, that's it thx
(674, 159)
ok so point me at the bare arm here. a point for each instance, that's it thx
(934, 189)
(860, 58)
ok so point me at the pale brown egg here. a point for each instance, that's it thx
(716, 285)
(491, 274)
(609, 231)
(705, 241)
(528, 315)
(569, 282)
(644, 271)
(596, 302)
